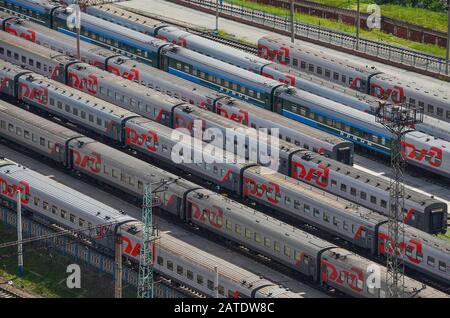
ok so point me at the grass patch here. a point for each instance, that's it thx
(418, 16)
(45, 272)
(336, 26)
(445, 236)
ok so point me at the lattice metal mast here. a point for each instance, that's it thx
(398, 119)
(145, 284)
(145, 287)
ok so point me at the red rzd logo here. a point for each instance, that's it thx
(141, 139)
(300, 172)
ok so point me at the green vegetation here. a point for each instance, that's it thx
(445, 236)
(334, 25)
(427, 18)
(45, 272)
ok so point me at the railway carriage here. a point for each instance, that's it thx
(50, 201)
(364, 78)
(240, 112)
(206, 213)
(421, 211)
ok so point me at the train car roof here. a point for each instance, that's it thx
(328, 199)
(34, 48)
(221, 68)
(288, 123)
(251, 216)
(367, 178)
(55, 130)
(97, 105)
(343, 62)
(141, 168)
(126, 15)
(62, 193)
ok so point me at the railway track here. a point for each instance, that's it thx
(208, 34)
(8, 292)
(401, 57)
(268, 262)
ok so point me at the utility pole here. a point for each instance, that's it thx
(118, 268)
(78, 26)
(145, 287)
(448, 38)
(217, 16)
(216, 282)
(19, 235)
(399, 120)
(74, 21)
(358, 23)
(292, 22)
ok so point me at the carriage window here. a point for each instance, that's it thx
(180, 270)
(276, 246)
(237, 229)
(267, 242)
(311, 67)
(316, 212)
(344, 79)
(430, 261)
(228, 225)
(248, 233)
(383, 203)
(170, 265)
(303, 65)
(72, 218)
(189, 274)
(353, 191)
(345, 226)
(160, 261)
(287, 251)
(430, 108)
(200, 279)
(221, 290)
(440, 112)
(336, 76)
(210, 284)
(319, 70)
(295, 62)
(363, 195)
(63, 213)
(307, 209)
(343, 187)
(257, 237)
(442, 266)
(373, 199)
(327, 73)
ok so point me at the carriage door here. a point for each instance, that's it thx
(188, 216)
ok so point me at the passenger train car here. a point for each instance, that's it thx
(421, 211)
(422, 150)
(54, 203)
(308, 76)
(280, 193)
(236, 110)
(365, 78)
(316, 258)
